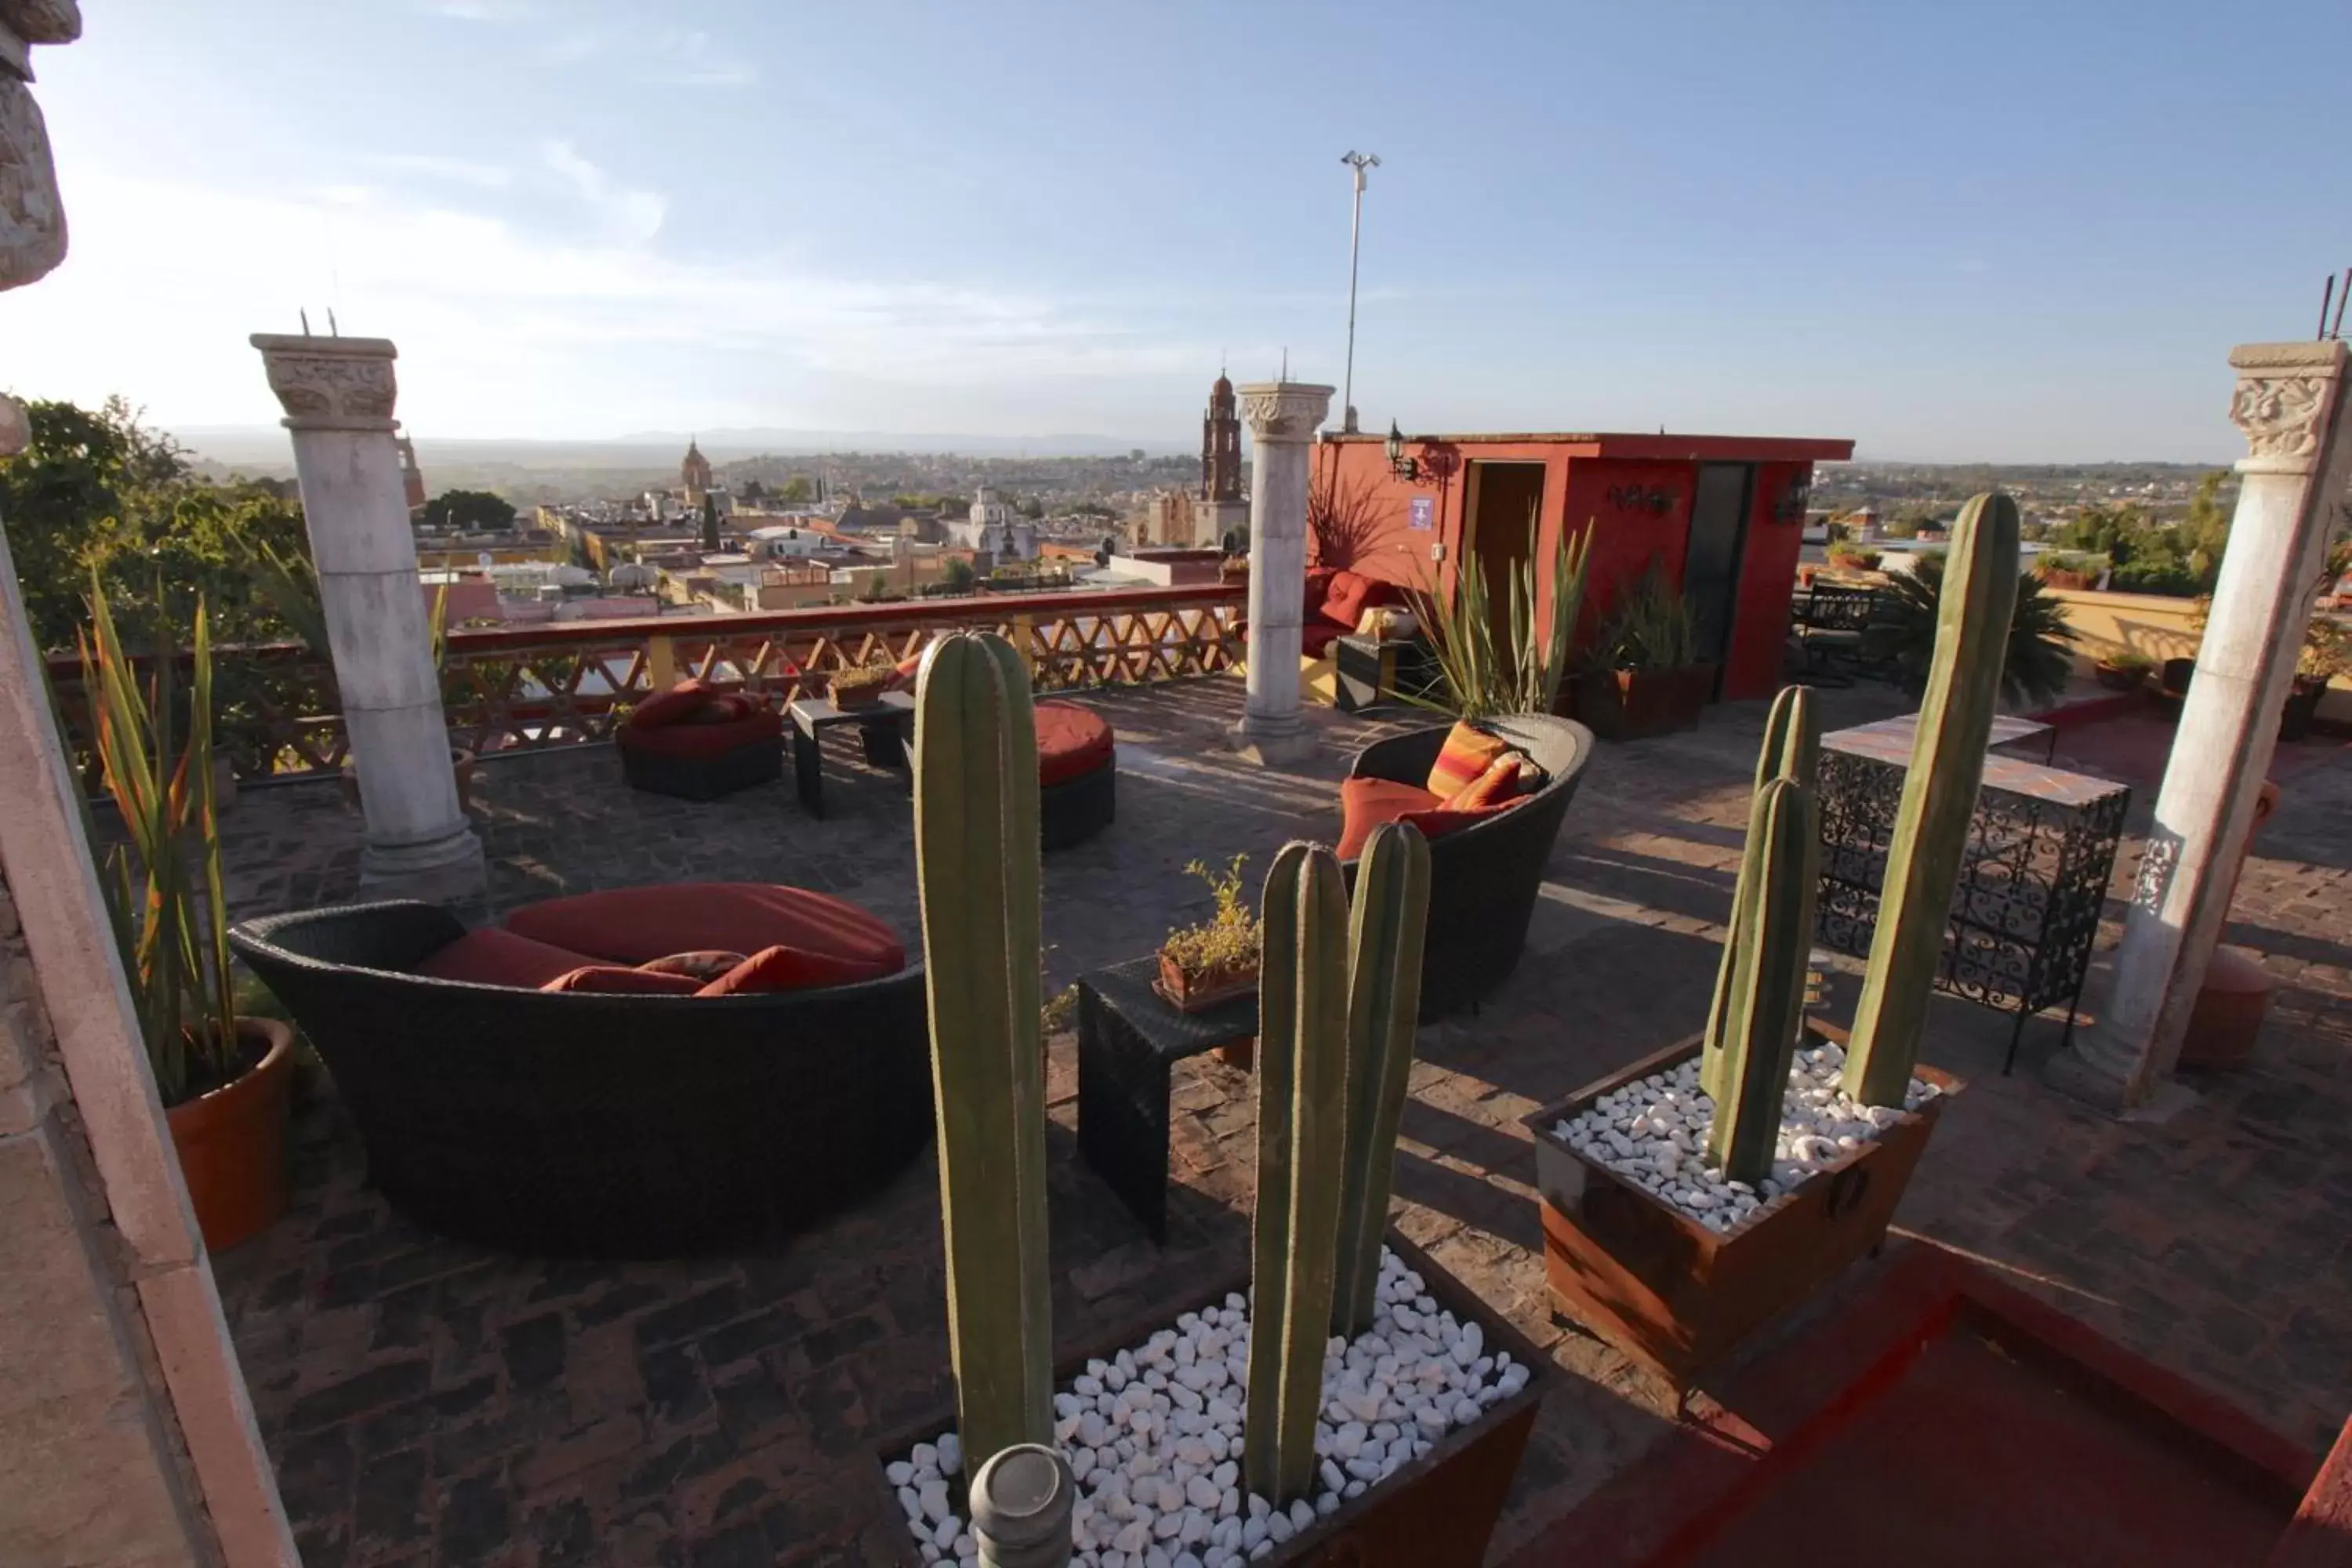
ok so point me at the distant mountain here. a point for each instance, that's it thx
(260, 447)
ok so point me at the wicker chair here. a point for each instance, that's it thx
(1484, 881)
(587, 1125)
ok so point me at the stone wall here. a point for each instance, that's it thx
(91, 1468)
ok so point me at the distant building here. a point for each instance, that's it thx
(1220, 445)
(993, 529)
(412, 478)
(694, 473)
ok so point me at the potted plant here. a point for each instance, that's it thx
(862, 685)
(1207, 963)
(1481, 672)
(1848, 556)
(2126, 669)
(1211, 1435)
(1644, 676)
(2326, 653)
(224, 1077)
(2066, 570)
(1695, 1196)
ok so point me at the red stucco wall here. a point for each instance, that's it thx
(1626, 540)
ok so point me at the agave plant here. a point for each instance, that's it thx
(2035, 667)
(163, 888)
(1482, 673)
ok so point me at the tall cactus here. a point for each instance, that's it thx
(1939, 794)
(1337, 1010)
(1768, 1003)
(1302, 1110)
(1792, 750)
(976, 865)
(1385, 929)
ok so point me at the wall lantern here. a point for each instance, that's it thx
(1399, 465)
(1657, 501)
(1793, 501)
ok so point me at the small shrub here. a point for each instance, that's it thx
(1229, 939)
(2131, 660)
(1853, 557)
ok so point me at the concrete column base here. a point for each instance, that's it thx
(1273, 746)
(2081, 1076)
(445, 869)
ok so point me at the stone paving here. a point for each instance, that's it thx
(430, 1402)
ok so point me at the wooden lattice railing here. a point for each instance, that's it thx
(528, 688)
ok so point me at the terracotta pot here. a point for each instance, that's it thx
(461, 768)
(1438, 1512)
(1630, 704)
(1670, 1292)
(1199, 993)
(232, 1142)
(2070, 582)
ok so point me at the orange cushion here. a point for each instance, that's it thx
(637, 925)
(492, 956)
(700, 967)
(616, 980)
(1447, 819)
(1345, 602)
(1071, 741)
(1365, 804)
(675, 706)
(1468, 751)
(785, 968)
(1499, 783)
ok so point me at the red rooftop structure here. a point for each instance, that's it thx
(1722, 515)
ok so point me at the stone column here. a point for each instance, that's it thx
(338, 394)
(2290, 404)
(1282, 416)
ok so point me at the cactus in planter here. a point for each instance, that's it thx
(1385, 929)
(1766, 1008)
(976, 865)
(1792, 750)
(1940, 792)
(1337, 1007)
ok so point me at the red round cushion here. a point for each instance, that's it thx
(1365, 804)
(1071, 741)
(695, 739)
(637, 925)
(490, 956)
(675, 706)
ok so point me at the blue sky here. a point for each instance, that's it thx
(2011, 232)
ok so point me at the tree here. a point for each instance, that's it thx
(957, 574)
(2034, 667)
(797, 490)
(473, 511)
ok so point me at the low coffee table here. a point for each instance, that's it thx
(1128, 1040)
(884, 726)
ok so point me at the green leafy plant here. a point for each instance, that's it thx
(2130, 660)
(163, 888)
(1228, 940)
(1649, 628)
(1482, 673)
(1847, 557)
(863, 682)
(2040, 650)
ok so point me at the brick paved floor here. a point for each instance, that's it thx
(429, 1403)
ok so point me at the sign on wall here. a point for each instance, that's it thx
(1424, 513)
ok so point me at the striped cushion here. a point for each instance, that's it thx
(1468, 753)
(1498, 784)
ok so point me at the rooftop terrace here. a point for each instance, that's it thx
(425, 1401)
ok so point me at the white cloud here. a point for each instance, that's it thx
(482, 10)
(505, 331)
(629, 214)
(689, 59)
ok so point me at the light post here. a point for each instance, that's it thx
(1359, 161)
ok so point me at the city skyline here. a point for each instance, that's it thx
(1952, 238)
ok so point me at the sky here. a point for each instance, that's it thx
(1951, 232)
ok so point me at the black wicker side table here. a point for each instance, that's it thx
(884, 727)
(1128, 1040)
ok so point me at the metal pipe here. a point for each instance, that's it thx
(1359, 161)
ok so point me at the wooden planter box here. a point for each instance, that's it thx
(1673, 1294)
(1438, 1512)
(1629, 704)
(1199, 993)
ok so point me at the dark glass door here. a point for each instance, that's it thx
(1718, 529)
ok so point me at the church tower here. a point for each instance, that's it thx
(694, 473)
(1221, 445)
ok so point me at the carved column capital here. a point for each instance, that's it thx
(2282, 402)
(331, 383)
(1285, 411)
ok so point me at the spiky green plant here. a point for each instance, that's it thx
(1907, 631)
(1649, 628)
(164, 888)
(1767, 1005)
(1940, 792)
(1792, 750)
(1337, 1009)
(1483, 674)
(976, 869)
